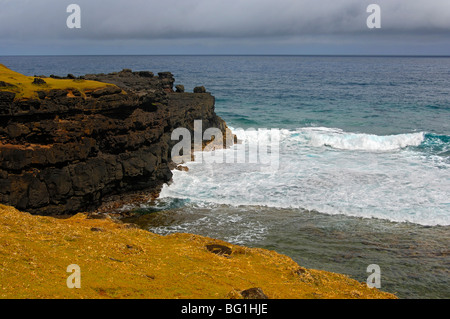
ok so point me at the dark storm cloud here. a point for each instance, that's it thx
(254, 20)
(218, 18)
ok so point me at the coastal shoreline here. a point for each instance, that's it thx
(39, 121)
(68, 144)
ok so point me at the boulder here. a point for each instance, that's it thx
(38, 81)
(146, 74)
(199, 89)
(179, 88)
(165, 75)
(254, 293)
(219, 249)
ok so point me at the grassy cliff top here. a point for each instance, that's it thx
(24, 87)
(119, 261)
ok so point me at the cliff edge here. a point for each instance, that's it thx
(66, 145)
(120, 261)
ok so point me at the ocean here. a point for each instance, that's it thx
(363, 166)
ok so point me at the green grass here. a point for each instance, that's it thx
(24, 88)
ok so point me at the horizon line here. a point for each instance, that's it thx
(287, 55)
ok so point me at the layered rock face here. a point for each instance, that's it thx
(64, 152)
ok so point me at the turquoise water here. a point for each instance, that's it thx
(379, 95)
(363, 170)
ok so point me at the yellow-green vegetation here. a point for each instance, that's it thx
(24, 87)
(119, 261)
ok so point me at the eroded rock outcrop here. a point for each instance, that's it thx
(65, 152)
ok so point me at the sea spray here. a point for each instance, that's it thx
(386, 177)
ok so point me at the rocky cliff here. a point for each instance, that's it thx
(65, 150)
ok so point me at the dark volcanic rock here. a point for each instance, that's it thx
(109, 90)
(219, 249)
(63, 153)
(146, 74)
(6, 102)
(179, 88)
(5, 84)
(254, 293)
(38, 81)
(199, 89)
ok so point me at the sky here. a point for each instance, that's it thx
(408, 27)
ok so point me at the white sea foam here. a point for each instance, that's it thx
(333, 172)
(362, 142)
(336, 138)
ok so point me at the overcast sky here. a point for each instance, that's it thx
(225, 27)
